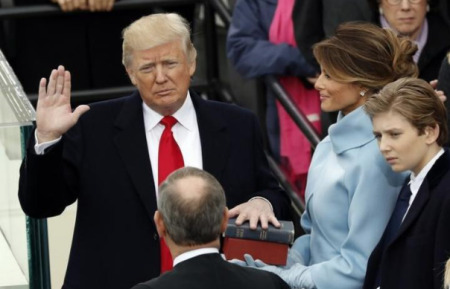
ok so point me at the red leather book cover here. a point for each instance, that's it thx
(268, 252)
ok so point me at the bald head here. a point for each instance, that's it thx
(191, 203)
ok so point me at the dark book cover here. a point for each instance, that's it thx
(268, 252)
(283, 235)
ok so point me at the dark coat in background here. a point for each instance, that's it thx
(444, 85)
(315, 20)
(416, 257)
(103, 162)
(211, 271)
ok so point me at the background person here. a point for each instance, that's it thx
(261, 42)
(410, 124)
(351, 190)
(113, 158)
(421, 21)
(191, 216)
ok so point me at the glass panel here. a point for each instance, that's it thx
(13, 238)
(15, 109)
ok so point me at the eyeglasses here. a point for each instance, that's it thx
(396, 2)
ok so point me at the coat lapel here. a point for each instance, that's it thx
(440, 167)
(213, 136)
(131, 143)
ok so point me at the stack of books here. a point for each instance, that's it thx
(268, 245)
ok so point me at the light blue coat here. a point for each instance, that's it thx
(350, 196)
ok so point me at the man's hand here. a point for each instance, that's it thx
(254, 210)
(100, 5)
(439, 93)
(54, 114)
(71, 5)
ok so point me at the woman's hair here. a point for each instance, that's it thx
(366, 55)
(157, 29)
(415, 100)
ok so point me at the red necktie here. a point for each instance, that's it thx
(169, 160)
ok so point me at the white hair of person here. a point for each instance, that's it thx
(154, 30)
(447, 275)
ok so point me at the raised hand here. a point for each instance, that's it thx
(54, 114)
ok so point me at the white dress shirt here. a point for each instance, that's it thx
(194, 253)
(185, 132)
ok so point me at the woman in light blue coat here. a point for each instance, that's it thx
(351, 190)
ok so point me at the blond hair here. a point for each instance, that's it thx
(447, 275)
(415, 100)
(366, 55)
(154, 30)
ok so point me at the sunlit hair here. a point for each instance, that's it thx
(366, 55)
(447, 275)
(415, 100)
(192, 218)
(154, 30)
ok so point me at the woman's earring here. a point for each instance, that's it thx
(381, 11)
(362, 93)
(428, 8)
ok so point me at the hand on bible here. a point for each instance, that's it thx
(254, 211)
(54, 114)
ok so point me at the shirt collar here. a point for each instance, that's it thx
(184, 115)
(194, 253)
(416, 181)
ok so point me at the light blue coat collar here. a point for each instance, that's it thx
(353, 130)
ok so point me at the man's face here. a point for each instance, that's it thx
(162, 75)
(400, 143)
(405, 17)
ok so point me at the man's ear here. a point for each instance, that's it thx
(192, 67)
(223, 225)
(160, 227)
(432, 134)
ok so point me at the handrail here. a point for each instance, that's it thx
(295, 113)
(93, 95)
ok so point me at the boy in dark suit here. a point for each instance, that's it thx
(191, 215)
(410, 123)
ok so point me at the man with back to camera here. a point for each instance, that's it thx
(113, 158)
(191, 216)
